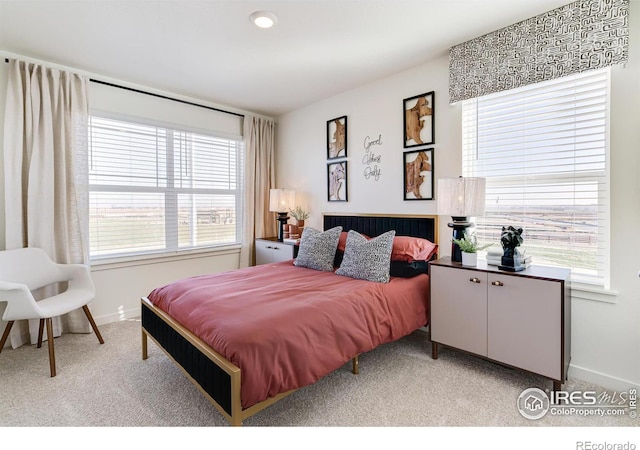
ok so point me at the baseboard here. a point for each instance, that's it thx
(601, 379)
(116, 317)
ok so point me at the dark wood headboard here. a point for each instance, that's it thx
(372, 225)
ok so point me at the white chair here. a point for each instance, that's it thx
(27, 269)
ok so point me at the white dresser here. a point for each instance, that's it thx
(521, 319)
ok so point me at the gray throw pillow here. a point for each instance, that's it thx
(318, 248)
(367, 259)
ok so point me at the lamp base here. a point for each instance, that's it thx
(459, 224)
(282, 218)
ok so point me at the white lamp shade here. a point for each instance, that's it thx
(461, 197)
(281, 200)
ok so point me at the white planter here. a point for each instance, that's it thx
(469, 259)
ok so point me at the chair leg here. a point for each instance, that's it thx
(40, 329)
(52, 356)
(5, 335)
(85, 308)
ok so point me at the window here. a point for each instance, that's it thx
(543, 149)
(156, 189)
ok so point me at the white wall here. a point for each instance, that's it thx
(372, 111)
(4, 69)
(119, 287)
(606, 336)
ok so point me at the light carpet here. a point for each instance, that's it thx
(399, 385)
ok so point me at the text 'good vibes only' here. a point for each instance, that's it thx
(370, 159)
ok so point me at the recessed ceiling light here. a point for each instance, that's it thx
(264, 19)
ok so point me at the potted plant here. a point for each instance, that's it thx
(470, 247)
(300, 215)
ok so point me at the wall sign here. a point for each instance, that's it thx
(370, 159)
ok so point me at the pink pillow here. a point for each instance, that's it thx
(408, 248)
(342, 243)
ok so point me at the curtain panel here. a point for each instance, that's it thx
(259, 140)
(46, 174)
(583, 35)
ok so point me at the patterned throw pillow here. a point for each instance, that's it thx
(318, 248)
(367, 259)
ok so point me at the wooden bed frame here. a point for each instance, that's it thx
(219, 379)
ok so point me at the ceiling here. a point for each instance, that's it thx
(209, 50)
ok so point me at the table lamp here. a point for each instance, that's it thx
(461, 198)
(280, 202)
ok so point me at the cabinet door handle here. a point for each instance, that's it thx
(268, 246)
(497, 283)
(474, 280)
(276, 248)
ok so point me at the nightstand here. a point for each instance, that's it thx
(269, 250)
(521, 319)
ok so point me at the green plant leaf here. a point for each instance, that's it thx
(469, 243)
(299, 214)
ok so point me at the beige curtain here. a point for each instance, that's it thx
(46, 173)
(259, 140)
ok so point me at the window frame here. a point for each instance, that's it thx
(588, 283)
(172, 248)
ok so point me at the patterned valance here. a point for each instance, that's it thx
(583, 35)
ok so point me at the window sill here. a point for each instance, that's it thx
(159, 258)
(593, 293)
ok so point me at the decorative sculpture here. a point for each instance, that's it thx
(510, 239)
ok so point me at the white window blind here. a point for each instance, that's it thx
(154, 189)
(543, 149)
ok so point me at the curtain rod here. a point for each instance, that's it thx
(165, 97)
(139, 91)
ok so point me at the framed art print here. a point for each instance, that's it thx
(419, 122)
(337, 181)
(337, 138)
(418, 174)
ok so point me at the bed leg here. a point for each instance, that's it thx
(145, 353)
(236, 422)
(356, 366)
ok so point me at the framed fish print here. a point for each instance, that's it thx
(337, 138)
(419, 122)
(337, 181)
(418, 174)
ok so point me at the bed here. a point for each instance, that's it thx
(249, 337)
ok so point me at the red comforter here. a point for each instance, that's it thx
(286, 327)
